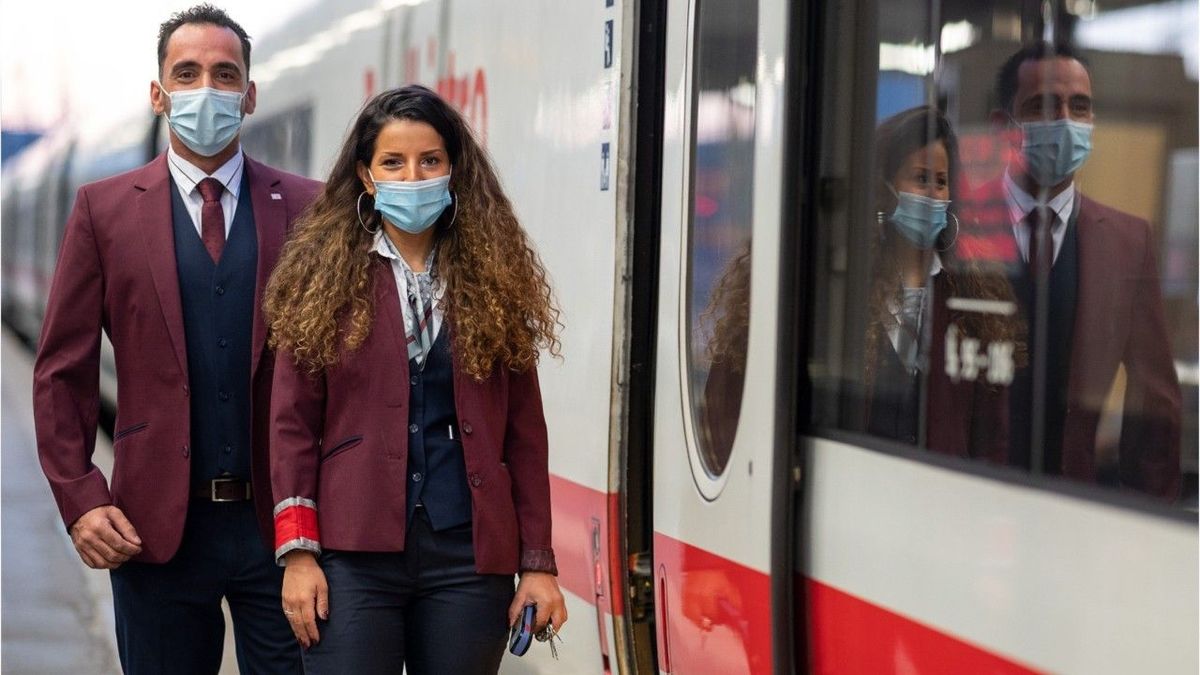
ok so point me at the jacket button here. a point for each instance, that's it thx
(476, 480)
(186, 451)
(185, 390)
(466, 427)
(220, 290)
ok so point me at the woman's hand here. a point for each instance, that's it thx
(305, 596)
(540, 588)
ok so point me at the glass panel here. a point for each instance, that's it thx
(1047, 320)
(718, 285)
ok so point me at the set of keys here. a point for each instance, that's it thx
(549, 635)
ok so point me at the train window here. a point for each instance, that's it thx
(282, 140)
(718, 255)
(1007, 236)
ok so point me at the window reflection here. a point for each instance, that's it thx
(1057, 332)
(718, 285)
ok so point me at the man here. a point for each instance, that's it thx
(1087, 282)
(170, 260)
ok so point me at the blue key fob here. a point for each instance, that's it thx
(521, 634)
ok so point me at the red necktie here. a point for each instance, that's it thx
(212, 217)
(1039, 222)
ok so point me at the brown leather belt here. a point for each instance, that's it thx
(223, 490)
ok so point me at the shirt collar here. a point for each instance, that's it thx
(188, 175)
(384, 247)
(1020, 202)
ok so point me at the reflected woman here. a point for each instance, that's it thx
(910, 324)
(408, 447)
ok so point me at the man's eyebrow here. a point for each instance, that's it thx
(184, 64)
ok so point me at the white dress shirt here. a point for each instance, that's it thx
(398, 264)
(1020, 203)
(187, 176)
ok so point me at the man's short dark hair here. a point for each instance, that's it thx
(204, 13)
(1006, 79)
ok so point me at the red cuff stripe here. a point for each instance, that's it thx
(296, 522)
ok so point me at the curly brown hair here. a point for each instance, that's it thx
(896, 138)
(319, 301)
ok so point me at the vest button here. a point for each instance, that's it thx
(417, 477)
(228, 449)
(476, 480)
(466, 427)
(413, 380)
(412, 428)
(224, 395)
(220, 290)
(221, 342)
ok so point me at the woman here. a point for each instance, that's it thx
(408, 448)
(915, 271)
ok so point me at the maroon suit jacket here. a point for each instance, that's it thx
(116, 271)
(339, 443)
(1119, 320)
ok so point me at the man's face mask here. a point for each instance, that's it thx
(1054, 150)
(205, 119)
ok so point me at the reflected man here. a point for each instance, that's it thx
(1095, 270)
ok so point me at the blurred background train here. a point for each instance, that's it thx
(656, 150)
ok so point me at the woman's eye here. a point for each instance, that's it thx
(431, 161)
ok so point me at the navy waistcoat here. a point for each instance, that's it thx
(1060, 331)
(437, 472)
(218, 320)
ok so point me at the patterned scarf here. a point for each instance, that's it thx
(418, 324)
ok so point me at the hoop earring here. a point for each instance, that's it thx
(455, 214)
(358, 212)
(957, 227)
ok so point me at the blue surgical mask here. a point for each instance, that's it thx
(412, 206)
(1055, 150)
(918, 218)
(205, 119)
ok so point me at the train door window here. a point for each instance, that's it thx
(717, 304)
(1007, 236)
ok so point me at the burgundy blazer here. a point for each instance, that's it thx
(116, 271)
(339, 451)
(1119, 321)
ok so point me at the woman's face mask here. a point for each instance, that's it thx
(412, 206)
(918, 218)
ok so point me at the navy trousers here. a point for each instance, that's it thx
(425, 609)
(169, 617)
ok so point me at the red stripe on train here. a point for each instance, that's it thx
(850, 635)
(714, 613)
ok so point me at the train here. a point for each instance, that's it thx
(669, 155)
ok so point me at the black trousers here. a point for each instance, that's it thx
(169, 617)
(425, 608)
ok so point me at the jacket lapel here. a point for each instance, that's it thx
(270, 222)
(1092, 363)
(153, 208)
(387, 302)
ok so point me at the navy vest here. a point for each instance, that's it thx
(1060, 331)
(437, 472)
(218, 320)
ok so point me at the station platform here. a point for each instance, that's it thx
(57, 613)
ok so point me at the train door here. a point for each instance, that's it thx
(716, 465)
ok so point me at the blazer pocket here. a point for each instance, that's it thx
(129, 431)
(341, 447)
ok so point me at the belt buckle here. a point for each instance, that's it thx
(213, 488)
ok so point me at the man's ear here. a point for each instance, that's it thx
(158, 98)
(251, 99)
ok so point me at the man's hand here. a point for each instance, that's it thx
(105, 538)
(305, 596)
